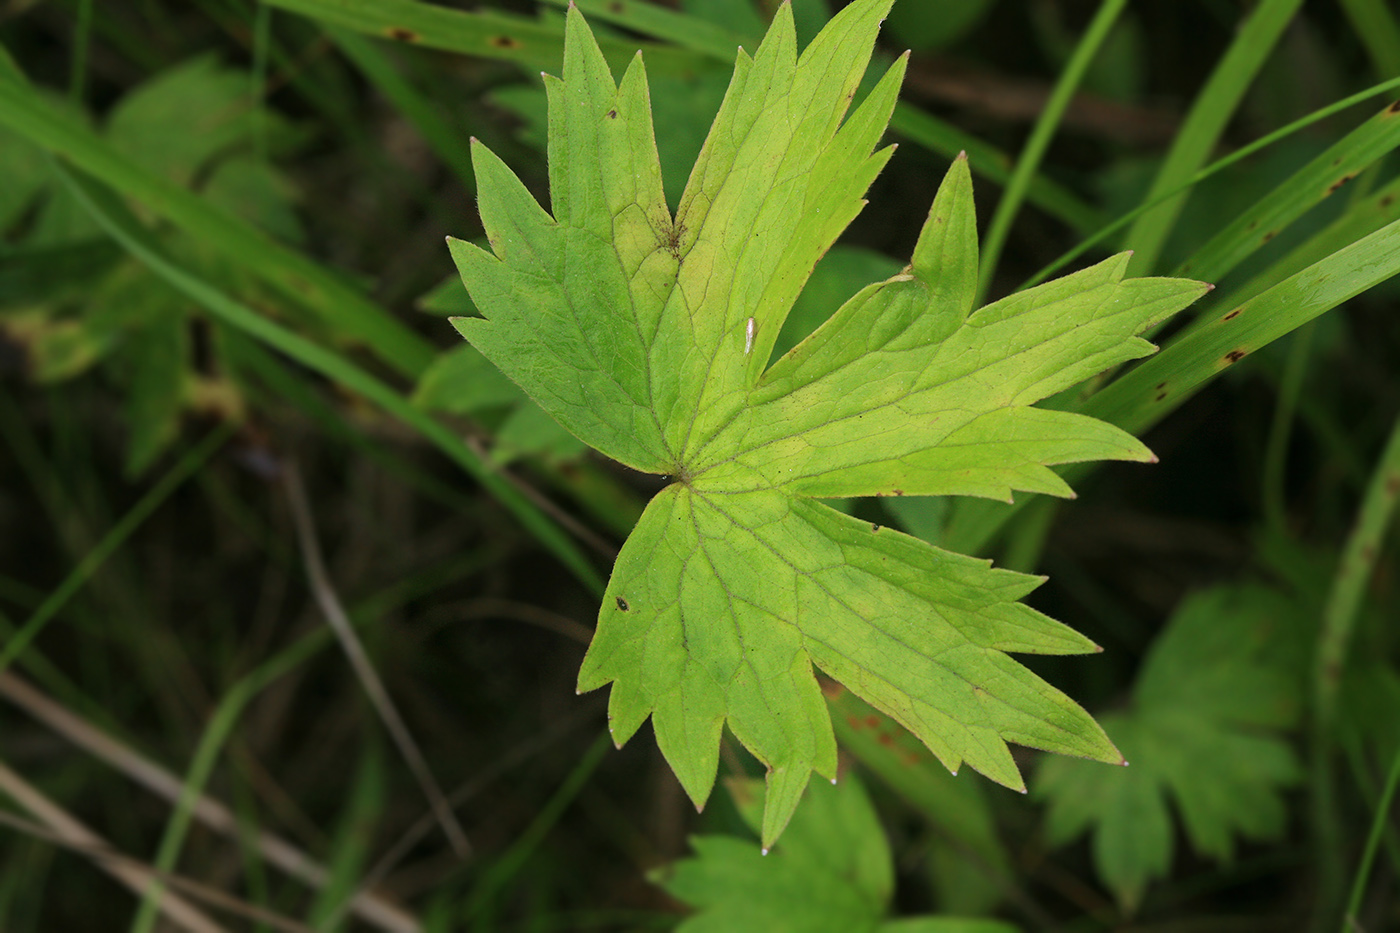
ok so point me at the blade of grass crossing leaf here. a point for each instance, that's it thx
(1314, 182)
(1157, 387)
(1375, 24)
(112, 540)
(1219, 165)
(1362, 217)
(118, 222)
(1028, 163)
(348, 312)
(1209, 115)
(450, 146)
(1144, 396)
(484, 35)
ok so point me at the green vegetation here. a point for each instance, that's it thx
(269, 522)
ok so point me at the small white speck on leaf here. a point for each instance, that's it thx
(749, 330)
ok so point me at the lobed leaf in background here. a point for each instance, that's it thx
(834, 873)
(970, 868)
(1205, 730)
(192, 125)
(647, 337)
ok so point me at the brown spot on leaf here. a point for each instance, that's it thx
(615, 6)
(1394, 107)
(1392, 485)
(1161, 397)
(874, 526)
(622, 604)
(898, 492)
(505, 42)
(1232, 315)
(400, 34)
(1332, 188)
(872, 721)
(1269, 236)
(1252, 225)
(1386, 201)
(1234, 356)
(612, 114)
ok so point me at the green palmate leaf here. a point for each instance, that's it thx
(648, 337)
(1202, 731)
(834, 873)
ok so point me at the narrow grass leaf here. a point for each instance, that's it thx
(125, 229)
(485, 34)
(1311, 184)
(343, 309)
(1209, 115)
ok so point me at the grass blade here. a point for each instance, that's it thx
(1201, 130)
(294, 275)
(186, 467)
(483, 35)
(1045, 126)
(1311, 184)
(1101, 235)
(1157, 387)
(451, 147)
(1145, 395)
(125, 229)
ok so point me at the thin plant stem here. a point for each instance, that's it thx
(368, 905)
(221, 724)
(1044, 130)
(354, 649)
(1218, 165)
(1212, 109)
(73, 832)
(1353, 573)
(1358, 561)
(1350, 921)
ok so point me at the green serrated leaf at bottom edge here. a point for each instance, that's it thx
(720, 604)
